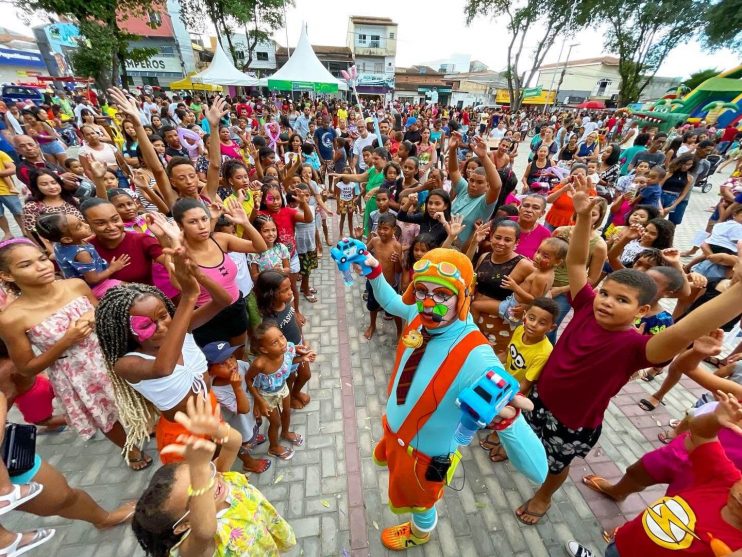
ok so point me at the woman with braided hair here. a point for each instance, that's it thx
(154, 361)
(56, 318)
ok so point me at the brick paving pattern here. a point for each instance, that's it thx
(333, 494)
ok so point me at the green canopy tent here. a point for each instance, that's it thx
(304, 72)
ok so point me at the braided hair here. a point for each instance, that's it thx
(112, 326)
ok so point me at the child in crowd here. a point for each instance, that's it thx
(528, 351)
(421, 245)
(85, 188)
(228, 385)
(636, 215)
(273, 294)
(347, 194)
(267, 382)
(592, 172)
(550, 253)
(306, 248)
(275, 257)
(77, 258)
(388, 251)
(601, 336)
(286, 219)
(651, 193)
(436, 212)
(382, 208)
(658, 233)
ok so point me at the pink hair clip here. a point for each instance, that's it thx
(16, 241)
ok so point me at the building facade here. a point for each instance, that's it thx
(420, 84)
(156, 32)
(263, 55)
(594, 79)
(475, 88)
(373, 44)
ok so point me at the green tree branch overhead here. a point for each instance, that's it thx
(724, 25)
(104, 48)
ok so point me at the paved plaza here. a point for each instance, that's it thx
(332, 493)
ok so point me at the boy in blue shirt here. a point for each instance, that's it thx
(651, 194)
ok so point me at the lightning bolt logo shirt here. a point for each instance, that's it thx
(681, 524)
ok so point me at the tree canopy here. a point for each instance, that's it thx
(532, 19)
(724, 25)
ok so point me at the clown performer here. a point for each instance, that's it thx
(440, 356)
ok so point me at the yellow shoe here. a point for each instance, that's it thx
(399, 538)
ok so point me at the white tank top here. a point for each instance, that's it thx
(167, 392)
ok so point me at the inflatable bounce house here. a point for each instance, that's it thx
(717, 100)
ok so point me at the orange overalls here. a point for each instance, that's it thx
(409, 491)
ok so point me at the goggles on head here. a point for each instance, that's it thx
(444, 268)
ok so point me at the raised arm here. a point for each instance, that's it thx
(493, 177)
(213, 115)
(578, 252)
(129, 107)
(453, 161)
(708, 317)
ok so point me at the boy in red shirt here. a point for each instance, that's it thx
(600, 350)
(704, 519)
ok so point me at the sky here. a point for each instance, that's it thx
(426, 34)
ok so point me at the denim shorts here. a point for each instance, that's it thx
(13, 203)
(53, 148)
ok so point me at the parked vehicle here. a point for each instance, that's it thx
(12, 94)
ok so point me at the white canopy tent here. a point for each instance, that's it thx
(221, 71)
(304, 71)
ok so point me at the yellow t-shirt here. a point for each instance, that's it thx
(525, 361)
(342, 114)
(247, 204)
(7, 187)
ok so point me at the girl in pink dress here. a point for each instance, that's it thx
(56, 317)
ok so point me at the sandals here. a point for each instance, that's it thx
(287, 454)
(16, 498)
(647, 406)
(133, 463)
(297, 441)
(714, 361)
(526, 512)
(40, 536)
(488, 445)
(311, 298)
(591, 481)
(265, 464)
(258, 440)
(498, 454)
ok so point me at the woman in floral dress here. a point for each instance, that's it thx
(56, 318)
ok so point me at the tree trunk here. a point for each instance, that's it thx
(229, 41)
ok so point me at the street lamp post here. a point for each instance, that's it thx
(564, 70)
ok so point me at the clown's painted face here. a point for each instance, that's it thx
(436, 304)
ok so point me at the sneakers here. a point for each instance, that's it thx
(399, 538)
(576, 549)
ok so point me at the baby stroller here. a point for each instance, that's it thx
(703, 181)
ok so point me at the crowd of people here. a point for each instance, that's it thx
(163, 283)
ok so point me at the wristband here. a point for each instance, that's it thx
(198, 492)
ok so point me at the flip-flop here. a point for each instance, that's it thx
(297, 441)
(591, 481)
(266, 466)
(488, 445)
(311, 298)
(526, 512)
(143, 458)
(647, 406)
(259, 440)
(41, 535)
(312, 290)
(498, 456)
(288, 454)
(674, 423)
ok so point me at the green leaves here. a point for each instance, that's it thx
(724, 25)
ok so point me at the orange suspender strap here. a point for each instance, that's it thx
(413, 325)
(438, 386)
